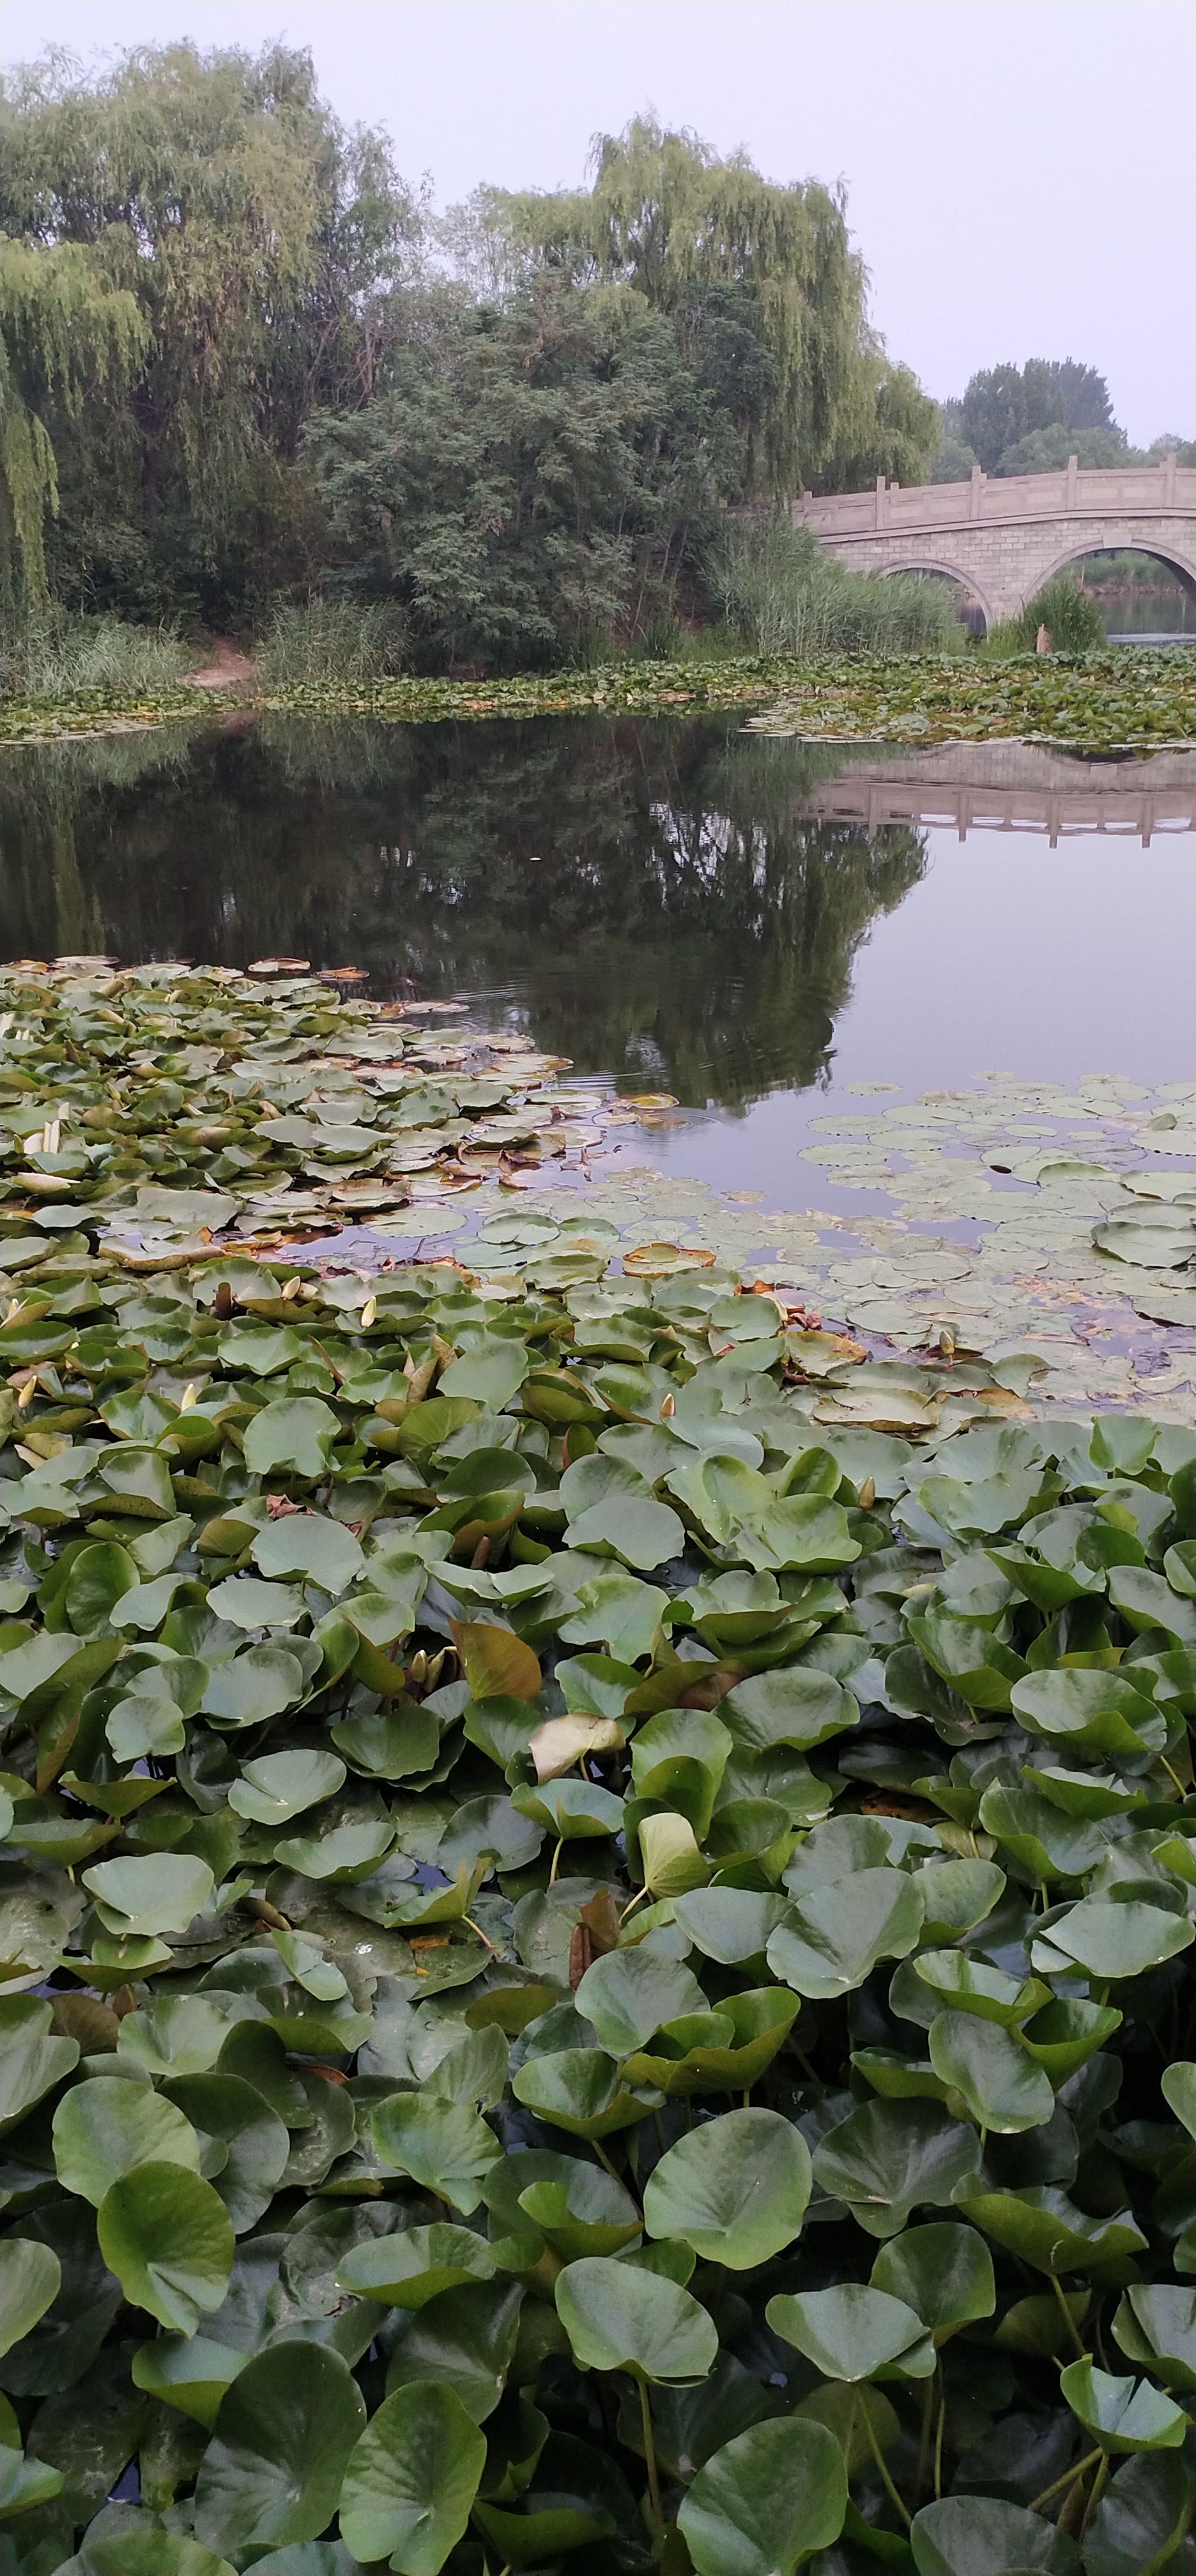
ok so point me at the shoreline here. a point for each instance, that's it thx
(1127, 701)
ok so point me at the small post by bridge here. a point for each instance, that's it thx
(1073, 471)
(974, 494)
(1168, 470)
(882, 503)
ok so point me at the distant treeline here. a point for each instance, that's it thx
(1029, 420)
(241, 363)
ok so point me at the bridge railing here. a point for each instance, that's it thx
(1074, 492)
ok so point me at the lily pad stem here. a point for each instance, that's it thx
(924, 2435)
(1069, 2320)
(556, 1862)
(879, 2457)
(483, 1937)
(650, 2456)
(1068, 2479)
(938, 2445)
(1098, 2485)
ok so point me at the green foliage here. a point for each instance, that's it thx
(786, 2159)
(783, 594)
(671, 221)
(952, 461)
(551, 474)
(242, 255)
(231, 370)
(1067, 610)
(1004, 405)
(69, 334)
(50, 655)
(1125, 700)
(330, 640)
(1046, 451)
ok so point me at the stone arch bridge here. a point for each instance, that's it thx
(1001, 537)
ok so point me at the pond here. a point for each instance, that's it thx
(754, 926)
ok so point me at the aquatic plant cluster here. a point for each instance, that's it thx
(1123, 700)
(596, 1889)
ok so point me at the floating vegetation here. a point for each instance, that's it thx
(152, 1112)
(596, 1886)
(1125, 700)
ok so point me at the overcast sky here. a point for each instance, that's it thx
(1021, 174)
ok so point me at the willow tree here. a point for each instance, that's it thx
(254, 236)
(66, 334)
(668, 218)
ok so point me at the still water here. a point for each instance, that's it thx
(754, 926)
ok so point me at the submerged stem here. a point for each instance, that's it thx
(650, 2456)
(1072, 2327)
(879, 2457)
(1098, 2485)
(1068, 2479)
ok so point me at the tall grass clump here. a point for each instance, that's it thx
(51, 656)
(1069, 613)
(782, 593)
(328, 639)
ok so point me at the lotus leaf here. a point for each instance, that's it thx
(411, 2480)
(443, 2145)
(629, 1994)
(430, 1815)
(1122, 2414)
(985, 2536)
(944, 2273)
(284, 2433)
(30, 2279)
(735, 2190)
(166, 2235)
(998, 2083)
(853, 2333)
(829, 1942)
(618, 2317)
(767, 2500)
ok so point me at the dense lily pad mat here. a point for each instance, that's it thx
(596, 1891)
(145, 1113)
(1124, 700)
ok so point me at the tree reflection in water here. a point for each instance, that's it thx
(651, 898)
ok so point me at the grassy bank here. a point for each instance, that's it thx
(1122, 700)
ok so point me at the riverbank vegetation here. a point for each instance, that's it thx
(1062, 610)
(590, 1876)
(1124, 700)
(244, 365)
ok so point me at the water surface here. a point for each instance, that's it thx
(752, 925)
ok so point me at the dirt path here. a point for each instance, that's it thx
(229, 668)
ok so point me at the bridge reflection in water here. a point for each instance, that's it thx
(1015, 787)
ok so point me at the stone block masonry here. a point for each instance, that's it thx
(1002, 537)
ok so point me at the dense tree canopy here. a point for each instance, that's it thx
(547, 476)
(241, 361)
(261, 247)
(64, 330)
(673, 222)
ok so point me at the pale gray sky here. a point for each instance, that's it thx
(1021, 174)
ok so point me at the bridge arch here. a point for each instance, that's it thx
(1177, 561)
(965, 581)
